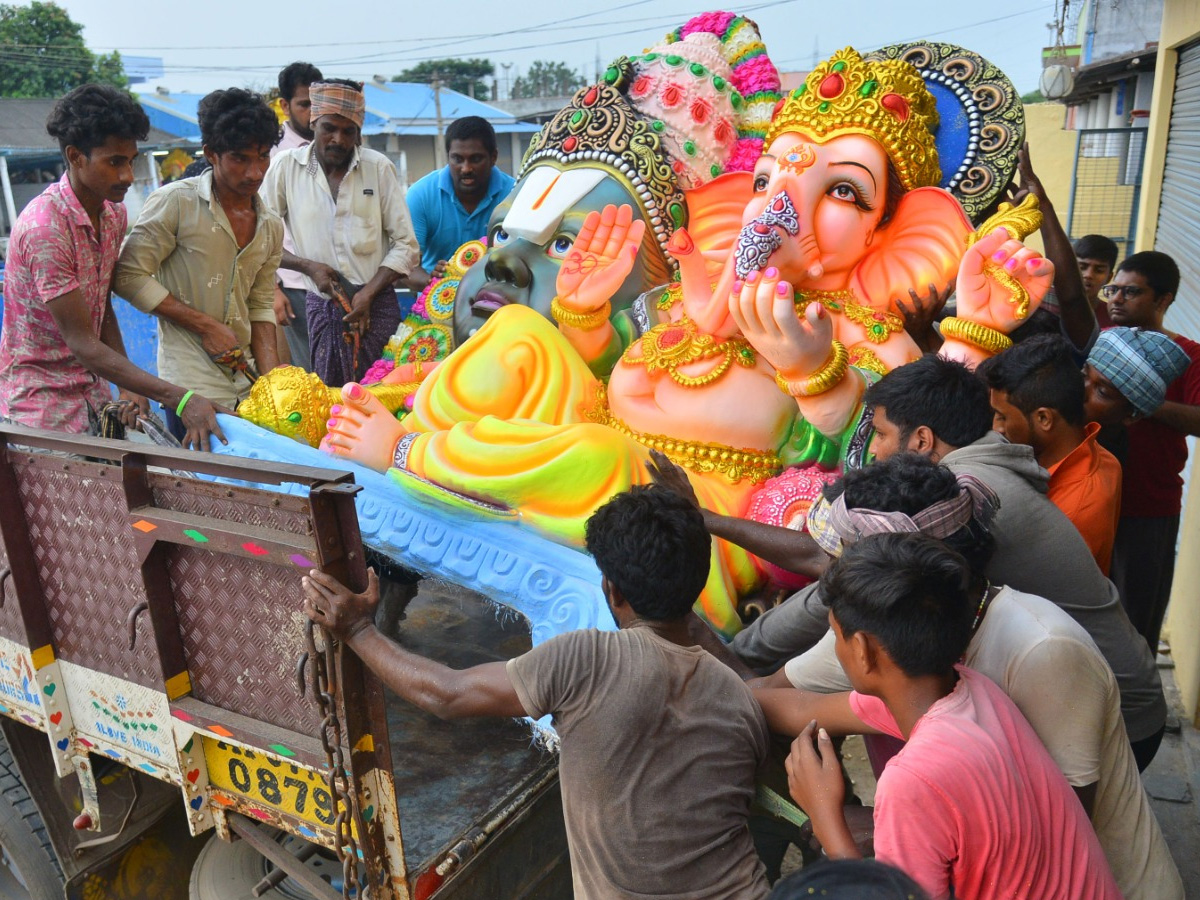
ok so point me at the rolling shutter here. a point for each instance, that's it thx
(1178, 231)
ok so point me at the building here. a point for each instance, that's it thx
(1168, 221)
(30, 159)
(1114, 57)
(402, 121)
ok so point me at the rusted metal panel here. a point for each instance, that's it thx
(90, 576)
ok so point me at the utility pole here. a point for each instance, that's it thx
(439, 149)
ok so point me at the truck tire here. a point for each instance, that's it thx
(225, 871)
(27, 853)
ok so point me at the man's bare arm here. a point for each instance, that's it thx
(1180, 416)
(263, 347)
(105, 356)
(790, 550)
(788, 711)
(446, 693)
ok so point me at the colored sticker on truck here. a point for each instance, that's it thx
(269, 781)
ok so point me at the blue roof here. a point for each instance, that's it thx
(392, 108)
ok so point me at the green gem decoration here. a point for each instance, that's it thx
(824, 107)
(673, 60)
(576, 116)
(295, 417)
(611, 75)
(715, 170)
(719, 82)
(839, 66)
(689, 147)
(736, 99)
(657, 125)
(802, 90)
(697, 69)
(650, 57)
(869, 88)
(676, 211)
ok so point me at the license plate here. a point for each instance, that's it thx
(269, 781)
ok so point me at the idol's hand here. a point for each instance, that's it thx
(600, 260)
(765, 312)
(1001, 282)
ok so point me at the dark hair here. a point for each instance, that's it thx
(653, 548)
(848, 879)
(907, 590)
(1157, 268)
(941, 394)
(472, 128)
(1040, 372)
(1097, 246)
(196, 167)
(297, 75)
(236, 119)
(91, 114)
(909, 483)
(1040, 321)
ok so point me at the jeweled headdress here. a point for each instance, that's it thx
(886, 100)
(671, 119)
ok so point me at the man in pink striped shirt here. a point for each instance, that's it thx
(61, 344)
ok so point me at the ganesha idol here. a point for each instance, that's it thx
(735, 379)
(656, 135)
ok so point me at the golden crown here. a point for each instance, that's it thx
(885, 100)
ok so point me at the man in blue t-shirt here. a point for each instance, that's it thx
(452, 205)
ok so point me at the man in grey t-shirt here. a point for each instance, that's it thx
(659, 742)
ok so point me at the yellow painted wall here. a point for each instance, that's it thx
(1052, 151)
(1180, 25)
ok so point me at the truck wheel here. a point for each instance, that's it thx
(225, 871)
(28, 866)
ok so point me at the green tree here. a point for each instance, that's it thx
(463, 75)
(547, 79)
(42, 53)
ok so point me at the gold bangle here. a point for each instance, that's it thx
(988, 339)
(582, 321)
(829, 376)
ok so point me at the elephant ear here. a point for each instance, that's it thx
(715, 216)
(922, 245)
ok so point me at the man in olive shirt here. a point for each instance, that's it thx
(203, 254)
(659, 742)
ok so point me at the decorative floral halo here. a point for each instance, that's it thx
(982, 119)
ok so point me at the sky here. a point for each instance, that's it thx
(221, 43)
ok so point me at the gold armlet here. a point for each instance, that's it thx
(977, 335)
(829, 377)
(581, 321)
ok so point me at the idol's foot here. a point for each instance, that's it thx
(362, 430)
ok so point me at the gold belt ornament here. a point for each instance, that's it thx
(737, 465)
(669, 346)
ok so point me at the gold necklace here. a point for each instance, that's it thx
(879, 324)
(831, 300)
(669, 346)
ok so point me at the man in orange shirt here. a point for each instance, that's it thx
(1037, 394)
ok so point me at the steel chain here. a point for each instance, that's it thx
(343, 803)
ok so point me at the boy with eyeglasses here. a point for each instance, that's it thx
(1143, 563)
